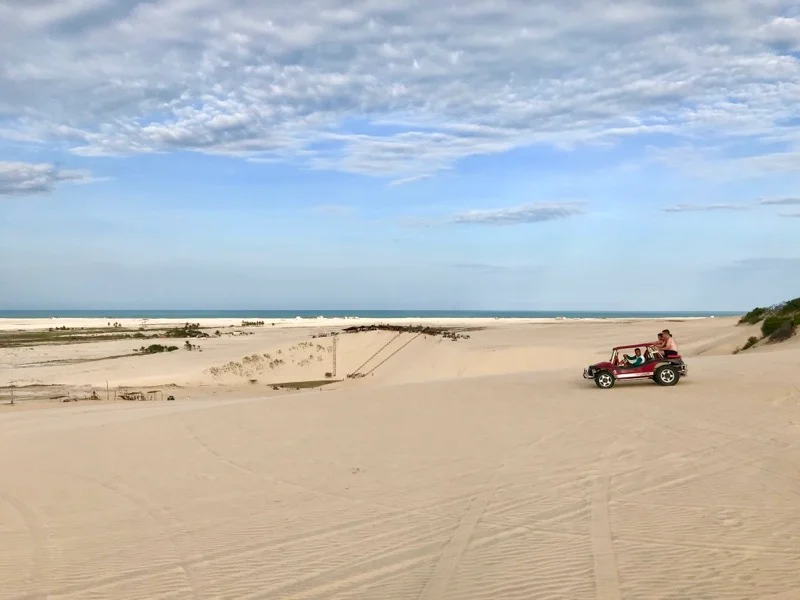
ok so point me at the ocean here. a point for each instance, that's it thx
(364, 314)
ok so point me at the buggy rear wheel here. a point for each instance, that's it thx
(666, 375)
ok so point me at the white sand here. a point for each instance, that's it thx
(478, 469)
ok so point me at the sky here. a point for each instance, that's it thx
(399, 154)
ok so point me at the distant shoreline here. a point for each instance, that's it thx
(130, 323)
(352, 314)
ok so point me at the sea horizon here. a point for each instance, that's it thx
(361, 314)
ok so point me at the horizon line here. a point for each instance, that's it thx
(362, 310)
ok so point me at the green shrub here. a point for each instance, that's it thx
(784, 332)
(753, 317)
(189, 330)
(751, 341)
(791, 307)
(156, 348)
(778, 322)
(771, 325)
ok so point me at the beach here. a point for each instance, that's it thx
(300, 460)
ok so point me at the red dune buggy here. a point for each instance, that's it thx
(662, 370)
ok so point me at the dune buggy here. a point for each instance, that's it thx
(664, 371)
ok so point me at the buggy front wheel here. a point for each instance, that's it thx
(604, 380)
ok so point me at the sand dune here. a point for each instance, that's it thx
(498, 347)
(474, 469)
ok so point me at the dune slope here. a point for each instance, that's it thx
(524, 485)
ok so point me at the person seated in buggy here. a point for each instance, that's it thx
(636, 360)
(666, 345)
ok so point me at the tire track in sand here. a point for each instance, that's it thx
(606, 574)
(38, 572)
(238, 466)
(450, 557)
(168, 525)
(606, 571)
(605, 564)
(162, 518)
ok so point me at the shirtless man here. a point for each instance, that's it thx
(670, 347)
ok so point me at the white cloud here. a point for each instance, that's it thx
(678, 208)
(407, 180)
(530, 213)
(22, 179)
(783, 32)
(791, 215)
(429, 82)
(713, 162)
(784, 201)
(787, 201)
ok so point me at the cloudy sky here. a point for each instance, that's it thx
(480, 154)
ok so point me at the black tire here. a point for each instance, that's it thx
(605, 380)
(666, 375)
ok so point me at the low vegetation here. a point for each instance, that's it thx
(751, 341)
(301, 385)
(753, 317)
(778, 322)
(16, 339)
(418, 329)
(189, 330)
(156, 349)
(783, 331)
(82, 335)
(303, 354)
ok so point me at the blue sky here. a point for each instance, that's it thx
(399, 154)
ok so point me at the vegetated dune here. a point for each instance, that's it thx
(771, 325)
(527, 484)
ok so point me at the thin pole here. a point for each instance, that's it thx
(334, 355)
